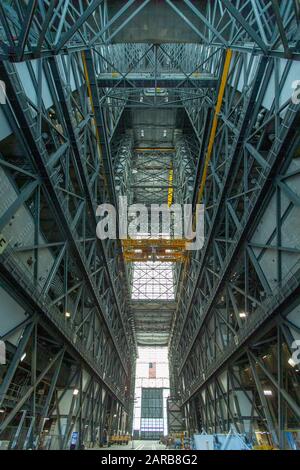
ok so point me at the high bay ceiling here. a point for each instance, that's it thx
(33, 27)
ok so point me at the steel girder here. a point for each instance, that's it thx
(47, 28)
(228, 292)
(244, 103)
(144, 80)
(52, 28)
(144, 174)
(52, 393)
(123, 62)
(75, 143)
(236, 396)
(61, 188)
(231, 275)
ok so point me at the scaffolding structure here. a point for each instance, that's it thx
(93, 109)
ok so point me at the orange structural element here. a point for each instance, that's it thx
(151, 249)
(154, 149)
(215, 123)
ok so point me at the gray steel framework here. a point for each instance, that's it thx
(237, 299)
(230, 298)
(57, 175)
(43, 28)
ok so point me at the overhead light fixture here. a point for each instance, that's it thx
(67, 314)
(142, 133)
(165, 133)
(75, 392)
(291, 362)
(268, 393)
(243, 315)
(2, 410)
(141, 99)
(23, 357)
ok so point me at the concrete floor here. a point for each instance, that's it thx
(136, 445)
(148, 445)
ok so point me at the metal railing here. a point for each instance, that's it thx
(255, 320)
(236, 239)
(24, 278)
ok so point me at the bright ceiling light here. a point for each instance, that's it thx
(291, 362)
(243, 315)
(23, 357)
(75, 392)
(67, 314)
(268, 393)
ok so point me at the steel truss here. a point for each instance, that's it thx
(45, 28)
(55, 181)
(230, 296)
(53, 392)
(236, 299)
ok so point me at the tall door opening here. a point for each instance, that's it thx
(152, 389)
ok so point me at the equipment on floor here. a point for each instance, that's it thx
(230, 441)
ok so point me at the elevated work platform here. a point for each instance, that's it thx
(163, 250)
(162, 80)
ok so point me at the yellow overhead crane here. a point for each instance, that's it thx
(175, 250)
(170, 250)
(156, 249)
(150, 249)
